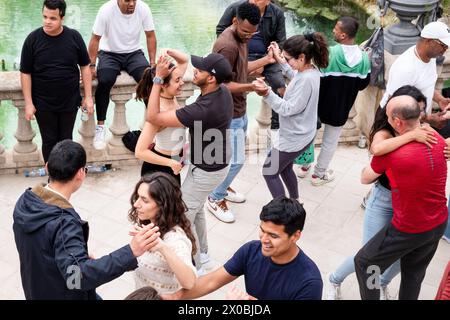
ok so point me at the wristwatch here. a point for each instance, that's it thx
(158, 80)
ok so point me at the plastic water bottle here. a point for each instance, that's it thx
(96, 168)
(84, 114)
(362, 142)
(39, 172)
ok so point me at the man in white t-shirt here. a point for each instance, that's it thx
(417, 67)
(116, 32)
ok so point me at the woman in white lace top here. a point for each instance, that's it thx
(168, 266)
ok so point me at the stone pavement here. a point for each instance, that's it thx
(332, 231)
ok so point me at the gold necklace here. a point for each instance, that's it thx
(161, 96)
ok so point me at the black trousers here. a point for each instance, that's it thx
(54, 127)
(149, 168)
(109, 67)
(415, 252)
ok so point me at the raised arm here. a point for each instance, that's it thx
(154, 114)
(181, 58)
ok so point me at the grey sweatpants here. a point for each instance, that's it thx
(195, 188)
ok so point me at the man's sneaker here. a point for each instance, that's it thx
(220, 210)
(333, 289)
(234, 196)
(446, 239)
(201, 272)
(327, 177)
(303, 170)
(384, 293)
(204, 258)
(99, 139)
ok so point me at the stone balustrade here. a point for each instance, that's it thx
(26, 154)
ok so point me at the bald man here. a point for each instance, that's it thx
(417, 175)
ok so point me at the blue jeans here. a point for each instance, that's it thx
(377, 215)
(238, 129)
(447, 231)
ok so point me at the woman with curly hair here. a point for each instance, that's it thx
(168, 266)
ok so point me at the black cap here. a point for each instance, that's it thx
(216, 64)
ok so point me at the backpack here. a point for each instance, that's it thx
(375, 49)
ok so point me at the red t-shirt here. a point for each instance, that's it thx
(417, 175)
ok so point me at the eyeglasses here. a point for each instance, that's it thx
(247, 34)
(443, 45)
(287, 59)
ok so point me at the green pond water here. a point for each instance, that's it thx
(187, 25)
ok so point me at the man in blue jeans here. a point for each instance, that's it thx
(232, 44)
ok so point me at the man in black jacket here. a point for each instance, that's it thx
(270, 28)
(52, 239)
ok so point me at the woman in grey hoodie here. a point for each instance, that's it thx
(301, 56)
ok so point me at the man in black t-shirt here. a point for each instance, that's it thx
(52, 57)
(208, 120)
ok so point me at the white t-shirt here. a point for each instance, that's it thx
(121, 32)
(409, 69)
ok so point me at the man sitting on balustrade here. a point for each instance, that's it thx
(116, 32)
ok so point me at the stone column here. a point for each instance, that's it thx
(257, 139)
(350, 133)
(119, 126)
(25, 150)
(2, 151)
(87, 133)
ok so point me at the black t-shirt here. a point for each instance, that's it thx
(53, 64)
(208, 119)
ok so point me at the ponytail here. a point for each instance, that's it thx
(320, 50)
(313, 45)
(145, 85)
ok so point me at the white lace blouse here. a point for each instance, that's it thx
(153, 269)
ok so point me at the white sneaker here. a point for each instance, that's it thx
(384, 293)
(303, 170)
(234, 196)
(201, 272)
(327, 177)
(446, 239)
(220, 210)
(204, 258)
(99, 139)
(333, 289)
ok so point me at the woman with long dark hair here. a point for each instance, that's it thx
(168, 266)
(161, 148)
(297, 110)
(379, 212)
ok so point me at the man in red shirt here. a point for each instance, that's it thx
(417, 175)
